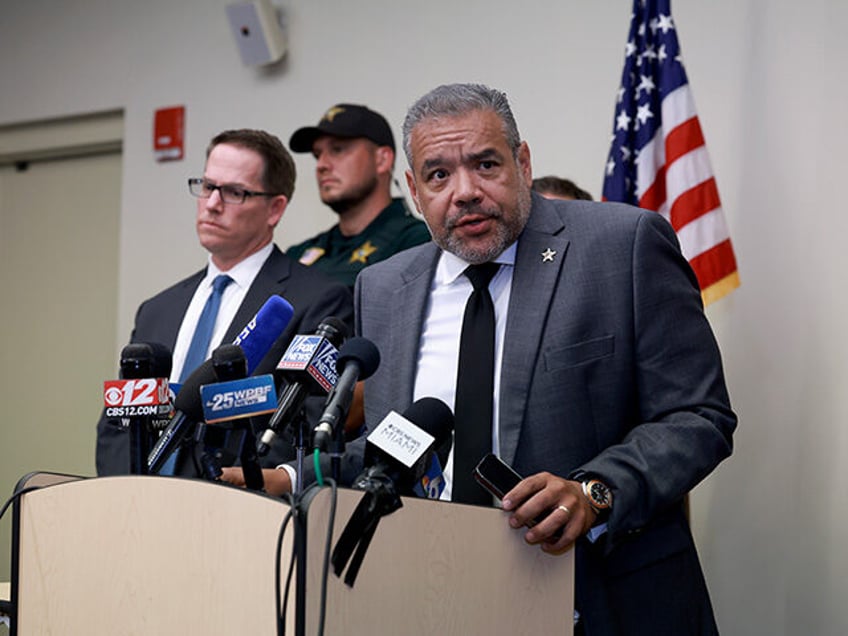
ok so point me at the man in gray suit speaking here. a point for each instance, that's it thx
(608, 390)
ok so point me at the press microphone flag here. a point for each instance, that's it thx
(238, 399)
(141, 398)
(309, 367)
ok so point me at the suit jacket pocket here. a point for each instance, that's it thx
(580, 353)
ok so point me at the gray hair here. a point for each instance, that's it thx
(455, 100)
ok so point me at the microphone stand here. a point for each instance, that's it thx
(299, 515)
(337, 451)
(139, 446)
(302, 445)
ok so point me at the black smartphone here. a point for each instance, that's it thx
(496, 476)
(499, 478)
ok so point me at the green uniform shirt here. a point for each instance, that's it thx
(342, 257)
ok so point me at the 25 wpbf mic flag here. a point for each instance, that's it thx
(658, 159)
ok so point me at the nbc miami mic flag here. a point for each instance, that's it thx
(658, 159)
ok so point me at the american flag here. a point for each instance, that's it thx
(658, 159)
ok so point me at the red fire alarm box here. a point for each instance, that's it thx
(168, 133)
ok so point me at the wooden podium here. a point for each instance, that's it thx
(164, 555)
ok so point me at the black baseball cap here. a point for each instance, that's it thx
(345, 120)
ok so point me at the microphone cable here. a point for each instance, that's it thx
(325, 567)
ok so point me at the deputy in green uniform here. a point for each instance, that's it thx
(355, 153)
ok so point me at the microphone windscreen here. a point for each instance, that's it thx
(257, 338)
(433, 416)
(162, 360)
(333, 329)
(364, 352)
(229, 362)
(136, 361)
(141, 360)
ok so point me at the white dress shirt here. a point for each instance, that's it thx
(243, 275)
(438, 353)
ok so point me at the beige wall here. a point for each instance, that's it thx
(769, 82)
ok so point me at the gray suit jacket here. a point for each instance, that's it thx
(609, 368)
(313, 295)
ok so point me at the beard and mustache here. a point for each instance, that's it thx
(507, 227)
(351, 197)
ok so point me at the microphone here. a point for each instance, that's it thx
(402, 446)
(358, 360)
(229, 363)
(309, 366)
(145, 360)
(257, 337)
(140, 397)
(399, 452)
(160, 367)
(188, 410)
(227, 406)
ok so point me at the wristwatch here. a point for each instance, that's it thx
(599, 496)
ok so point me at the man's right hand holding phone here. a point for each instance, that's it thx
(561, 509)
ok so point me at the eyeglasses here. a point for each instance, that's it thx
(203, 189)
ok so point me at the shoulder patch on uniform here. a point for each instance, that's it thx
(311, 255)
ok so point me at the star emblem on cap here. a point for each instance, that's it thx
(548, 255)
(331, 114)
(361, 253)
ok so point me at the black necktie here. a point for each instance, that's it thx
(474, 387)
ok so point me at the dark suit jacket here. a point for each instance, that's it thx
(313, 295)
(609, 368)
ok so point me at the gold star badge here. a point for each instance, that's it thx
(331, 114)
(548, 255)
(361, 253)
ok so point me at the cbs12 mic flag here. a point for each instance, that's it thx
(658, 159)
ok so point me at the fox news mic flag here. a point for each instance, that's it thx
(658, 159)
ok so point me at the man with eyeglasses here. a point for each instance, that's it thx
(246, 187)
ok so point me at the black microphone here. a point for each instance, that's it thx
(145, 360)
(358, 360)
(229, 363)
(255, 339)
(188, 410)
(140, 398)
(398, 453)
(228, 406)
(309, 367)
(400, 448)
